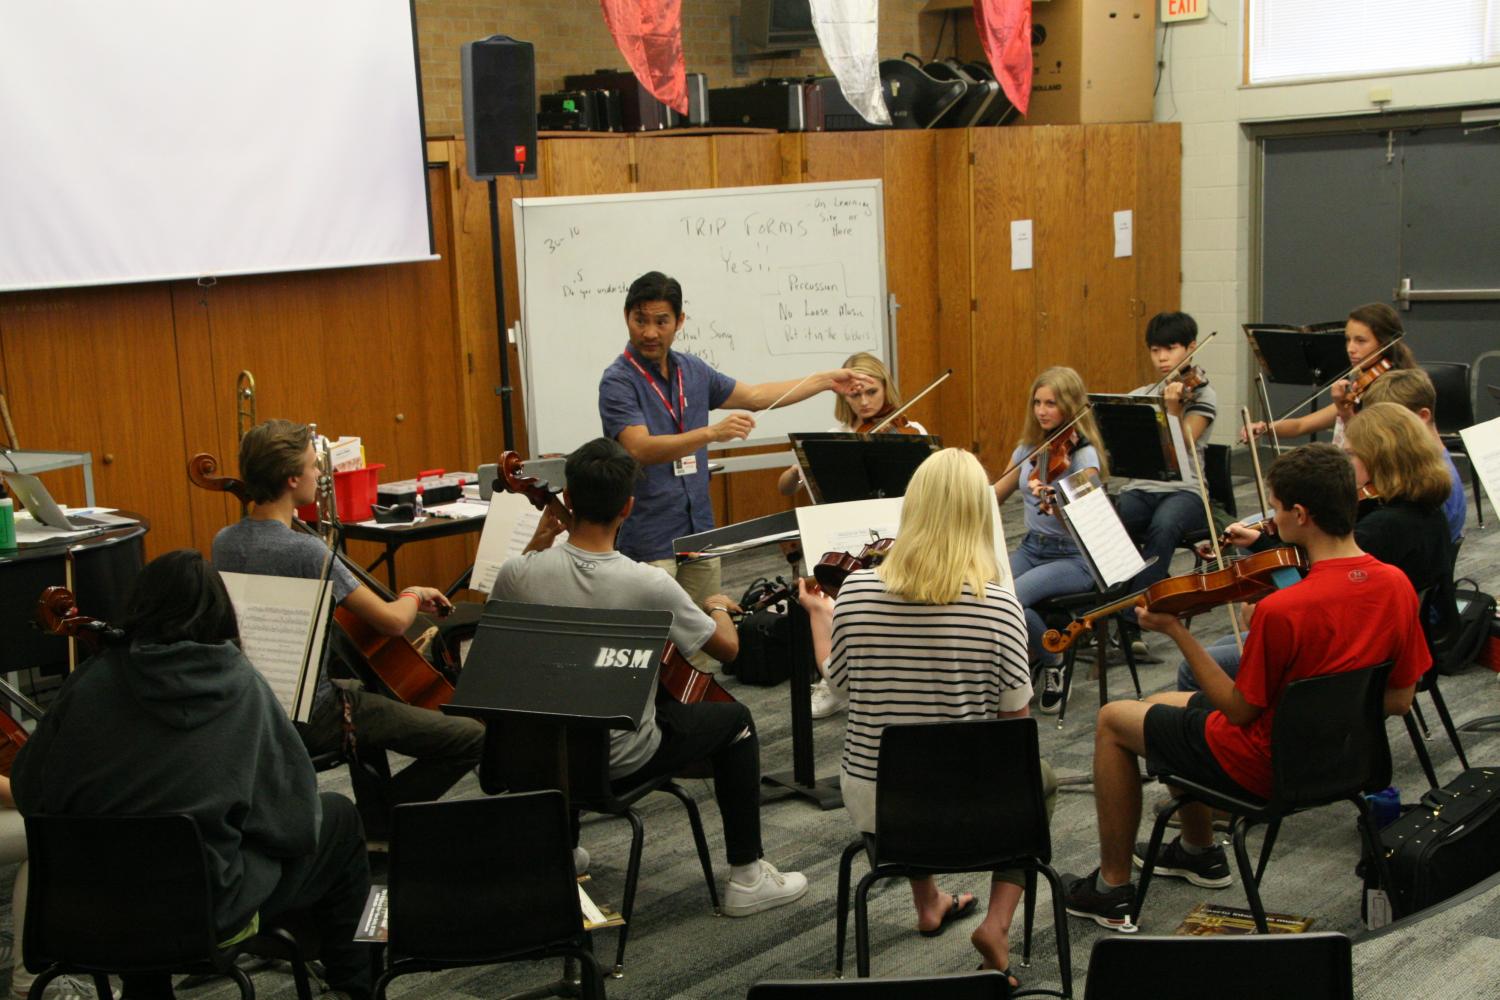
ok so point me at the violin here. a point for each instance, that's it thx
(1366, 378)
(1368, 492)
(399, 665)
(1191, 379)
(899, 425)
(684, 682)
(1059, 458)
(834, 568)
(1247, 579)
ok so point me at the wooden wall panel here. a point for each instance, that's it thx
(911, 262)
(1062, 261)
(208, 410)
(747, 160)
(667, 163)
(1158, 230)
(954, 287)
(1005, 316)
(94, 370)
(1109, 361)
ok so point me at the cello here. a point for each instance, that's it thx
(401, 668)
(56, 614)
(678, 678)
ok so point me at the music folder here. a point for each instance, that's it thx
(1298, 355)
(591, 667)
(838, 467)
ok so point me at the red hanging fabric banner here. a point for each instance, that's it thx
(1005, 32)
(648, 34)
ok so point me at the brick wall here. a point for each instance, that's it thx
(570, 37)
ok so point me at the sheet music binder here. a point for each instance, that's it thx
(1298, 355)
(846, 466)
(1137, 437)
(1106, 572)
(580, 666)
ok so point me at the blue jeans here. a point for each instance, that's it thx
(1157, 522)
(1226, 653)
(1045, 566)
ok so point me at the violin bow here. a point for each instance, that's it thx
(1213, 536)
(1181, 365)
(1347, 372)
(1265, 406)
(1088, 405)
(1260, 483)
(896, 413)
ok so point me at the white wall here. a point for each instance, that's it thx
(1200, 87)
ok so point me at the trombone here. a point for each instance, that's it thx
(244, 404)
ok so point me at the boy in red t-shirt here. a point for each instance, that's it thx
(1220, 736)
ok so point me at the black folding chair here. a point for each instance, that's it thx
(1328, 744)
(1284, 966)
(955, 797)
(989, 985)
(1455, 412)
(117, 895)
(484, 881)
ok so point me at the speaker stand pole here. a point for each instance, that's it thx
(503, 390)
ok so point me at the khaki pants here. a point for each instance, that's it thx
(701, 580)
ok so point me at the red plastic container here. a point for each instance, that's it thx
(353, 493)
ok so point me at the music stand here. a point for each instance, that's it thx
(1139, 438)
(844, 466)
(1299, 355)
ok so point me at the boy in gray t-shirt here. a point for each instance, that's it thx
(587, 571)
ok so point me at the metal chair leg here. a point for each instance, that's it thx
(1148, 863)
(1272, 829)
(1028, 914)
(1416, 712)
(101, 986)
(632, 875)
(1447, 721)
(1068, 660)
(1240, 829)
(247, 992)
(1129, 659)
(841, 925)
(1423, 757)
(1060, 927)
(699, 840)
(862, 925)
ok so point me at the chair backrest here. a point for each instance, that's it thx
(960, 794)
(1328, 738)
(1226, 967)
(965, 986)
(1220, 483)
(118, 893)
(1455, 407)
(475, 880)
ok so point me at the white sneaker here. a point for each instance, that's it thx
(580, 861)
(772, 889)
(1050, 699)
(827, 700)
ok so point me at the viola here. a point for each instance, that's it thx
(399, 665)
(834, 568)
(1059, 457)
(56, 614)
(1247, 579)
(1366, 378)
(900, 425)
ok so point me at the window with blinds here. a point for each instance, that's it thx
(1297, 40)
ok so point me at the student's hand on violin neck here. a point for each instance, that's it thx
(1156, 622)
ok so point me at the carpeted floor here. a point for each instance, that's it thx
(679, 949)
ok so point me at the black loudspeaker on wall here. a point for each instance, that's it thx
(499, 81)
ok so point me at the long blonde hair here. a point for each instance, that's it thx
(1400, 454)
(946, 538)
(1067, 385)
(866, 364)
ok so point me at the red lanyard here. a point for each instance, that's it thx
(681, 399)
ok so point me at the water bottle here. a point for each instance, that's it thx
(7, 523)
(416, 508)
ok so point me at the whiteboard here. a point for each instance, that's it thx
(777, 281)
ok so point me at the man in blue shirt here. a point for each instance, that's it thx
(655, 401)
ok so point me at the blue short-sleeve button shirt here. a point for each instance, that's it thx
(667, 506)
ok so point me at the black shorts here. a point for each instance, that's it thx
(1176, 744)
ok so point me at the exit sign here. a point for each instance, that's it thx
(1183, 10)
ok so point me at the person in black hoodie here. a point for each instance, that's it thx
(173, 719)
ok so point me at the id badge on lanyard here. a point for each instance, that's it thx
(685, 466)
(688, 464)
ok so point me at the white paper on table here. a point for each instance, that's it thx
(1020, 244)
(508, 527)
(1124, 238)
(1103, 536)
(845, 527)
(1482, 442)
(282, 622)
(460, 510)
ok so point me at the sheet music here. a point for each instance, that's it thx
(282, 623)
(1482, 441)
(508, 527)
(374, 923)
(1102, 536)
(845, 527)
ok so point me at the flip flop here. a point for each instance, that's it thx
(1008, 977)
(955, 910)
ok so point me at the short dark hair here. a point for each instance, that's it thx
(653, 286)
(1320, 477)
(179, 597)
(270, 454)
(1168, 329)
(601, 477)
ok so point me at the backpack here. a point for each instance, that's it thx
(765, 639)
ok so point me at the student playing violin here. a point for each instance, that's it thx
(864, 407)
(1367, 330)
(1047, 562)
(930, 634)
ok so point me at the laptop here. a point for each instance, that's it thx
(35, 498)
